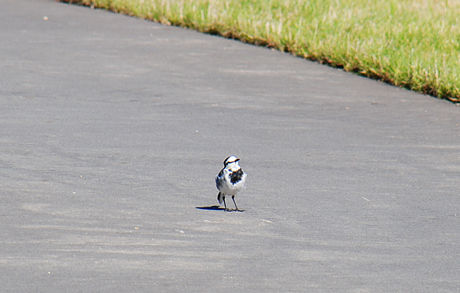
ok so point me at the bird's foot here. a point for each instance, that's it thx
(233, 210)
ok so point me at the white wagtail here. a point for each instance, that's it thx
(230, 180)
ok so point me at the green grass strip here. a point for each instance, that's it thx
(409, 43)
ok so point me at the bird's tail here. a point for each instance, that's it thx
(220, 197)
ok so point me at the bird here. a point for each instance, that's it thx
(230, 180)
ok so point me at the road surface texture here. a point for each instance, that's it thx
(112, 130)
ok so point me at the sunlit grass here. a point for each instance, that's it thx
(409, 43)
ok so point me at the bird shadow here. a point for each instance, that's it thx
(217, 208)
(212, 208)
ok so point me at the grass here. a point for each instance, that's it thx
(409, 43)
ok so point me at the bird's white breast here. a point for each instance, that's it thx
(229, 188)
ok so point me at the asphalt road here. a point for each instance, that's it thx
(112, 130)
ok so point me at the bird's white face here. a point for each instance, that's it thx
(231, 160)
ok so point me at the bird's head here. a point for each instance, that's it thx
(231, 160)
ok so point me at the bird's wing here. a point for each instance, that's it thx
(220, 179)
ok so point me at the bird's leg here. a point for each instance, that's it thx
(225, 204)
(233, 198)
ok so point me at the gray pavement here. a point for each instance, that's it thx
(113, 128)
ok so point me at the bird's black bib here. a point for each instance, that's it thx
(236, 176)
